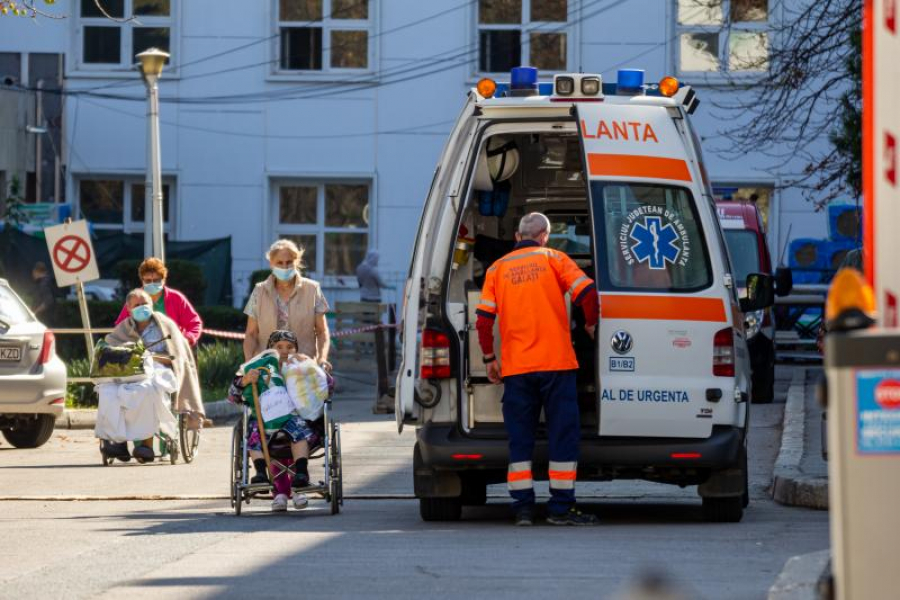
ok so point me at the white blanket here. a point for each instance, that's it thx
(138, 410)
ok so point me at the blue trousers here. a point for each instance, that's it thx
(523, 397)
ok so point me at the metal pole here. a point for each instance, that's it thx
(156, 165)
(39, 142)
(148, 179)
(86, 320)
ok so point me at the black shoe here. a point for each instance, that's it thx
(143, 453)
(524, 517)
(117, 450)
(573, 516)
(259, 478)
(300, 480)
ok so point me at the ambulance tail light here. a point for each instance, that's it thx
(723, 353)
(435, 363)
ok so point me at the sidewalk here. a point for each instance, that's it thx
(800, 477)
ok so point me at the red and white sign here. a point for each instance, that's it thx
(71, 253)
(881, 128)
(887, 394)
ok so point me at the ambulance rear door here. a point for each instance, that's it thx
(661, 302)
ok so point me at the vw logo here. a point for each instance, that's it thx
(621, 342)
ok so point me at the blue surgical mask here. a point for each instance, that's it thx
(284, 274)
(153, 288)
(141, 313)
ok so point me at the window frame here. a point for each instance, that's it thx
(526, 26)
(128, 225)
(723, 74)
(320, 229)
(127, 66)
(327, 72)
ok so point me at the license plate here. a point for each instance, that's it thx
(11, 354)
(625, 363)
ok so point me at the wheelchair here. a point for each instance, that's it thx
(186, 444)
(278, 445)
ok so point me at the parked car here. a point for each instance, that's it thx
(745, 236)
(32, 376)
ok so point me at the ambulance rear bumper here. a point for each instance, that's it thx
(442, 446)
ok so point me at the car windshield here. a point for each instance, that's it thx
(12, 311)
(744, 252)
(649, 238)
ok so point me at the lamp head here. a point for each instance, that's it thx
(152, 61)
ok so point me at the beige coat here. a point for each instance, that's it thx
(189, 397)
(301, 313)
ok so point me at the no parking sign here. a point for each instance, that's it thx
(71, 253)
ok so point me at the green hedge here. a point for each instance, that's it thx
(226, 318)
(184, 276)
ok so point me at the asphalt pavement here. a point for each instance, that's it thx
(191, 545)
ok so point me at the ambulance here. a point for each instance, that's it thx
(664, 387)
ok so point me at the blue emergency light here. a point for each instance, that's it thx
(630, 80)
(523, 81)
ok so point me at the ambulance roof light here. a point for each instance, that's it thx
(523, 81)
(668, 86)
(630, 81)
(486, 87)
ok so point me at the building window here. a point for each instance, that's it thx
(106, 43)
(723, 36)
(329, 220)
(517, 32)
(118, 204)
(324, 35)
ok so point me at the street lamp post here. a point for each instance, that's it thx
(152, 62)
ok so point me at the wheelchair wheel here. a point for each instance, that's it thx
(237, 436)
(172, 449)
(188, 438)
(336, 491)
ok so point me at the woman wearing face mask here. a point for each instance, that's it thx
(167, 301)
(161, 336)
(287, 300)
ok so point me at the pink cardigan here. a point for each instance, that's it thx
(179, 309)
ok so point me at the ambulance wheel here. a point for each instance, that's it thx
(745, 497)
(764, 387)
(440, 509)
(723, 510)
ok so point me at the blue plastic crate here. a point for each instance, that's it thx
(807, 253)
(834, 251)
(844, 222)
(808, 276)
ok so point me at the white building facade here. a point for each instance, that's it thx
(322, 120)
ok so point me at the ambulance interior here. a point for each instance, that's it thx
(518, 173)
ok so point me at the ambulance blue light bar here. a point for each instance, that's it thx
(630, 81)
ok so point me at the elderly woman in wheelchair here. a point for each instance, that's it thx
(290, 437)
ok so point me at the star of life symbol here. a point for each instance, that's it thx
(654, 243)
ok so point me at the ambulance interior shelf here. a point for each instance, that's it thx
(540, 172)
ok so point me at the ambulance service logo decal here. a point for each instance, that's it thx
(654, 235)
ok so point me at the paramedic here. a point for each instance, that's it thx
(526, 290)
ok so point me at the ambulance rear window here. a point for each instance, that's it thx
(649, 238)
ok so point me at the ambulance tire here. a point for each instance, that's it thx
(723, 510)
(440, 509)
(745, 497)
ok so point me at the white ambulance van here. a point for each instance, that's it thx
(664, 387)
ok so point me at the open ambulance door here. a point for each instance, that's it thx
(659, 313)
(444, 189)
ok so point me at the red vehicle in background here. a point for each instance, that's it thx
(745, 236)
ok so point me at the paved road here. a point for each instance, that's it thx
(377, 547)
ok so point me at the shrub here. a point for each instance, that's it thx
(217, 363)
(226, 318)
(79, 395)
(184, 276)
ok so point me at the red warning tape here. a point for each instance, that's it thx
(231, 335)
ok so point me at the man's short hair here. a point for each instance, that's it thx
(137, 293)
(533, 225)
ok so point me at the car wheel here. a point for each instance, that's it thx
(474, 492)
(33, 433)
(723, 510)
(440, 509)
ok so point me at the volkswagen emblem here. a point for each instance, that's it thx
(621, 342)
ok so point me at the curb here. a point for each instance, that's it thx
(803, 577)
(86, 418)
(789, 485)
